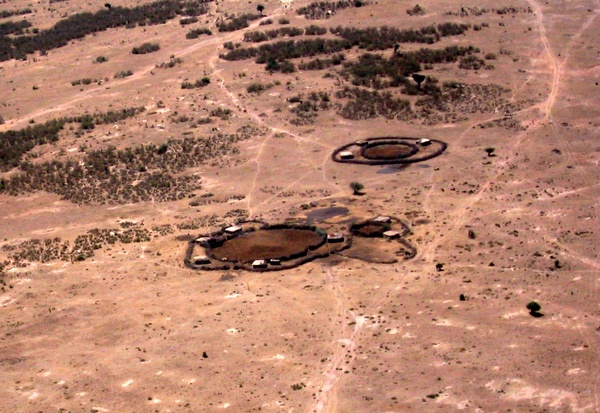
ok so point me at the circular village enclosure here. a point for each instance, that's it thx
(389, 150)
(389, 228)
(262, 247)
(257, 246)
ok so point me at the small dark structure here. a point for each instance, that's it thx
(201, 260)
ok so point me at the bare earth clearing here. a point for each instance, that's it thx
(100, 314)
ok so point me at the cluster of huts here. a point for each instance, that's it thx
(235, 230)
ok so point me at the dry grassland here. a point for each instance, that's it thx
(100, 314)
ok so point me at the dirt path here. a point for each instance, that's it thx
(345, 345)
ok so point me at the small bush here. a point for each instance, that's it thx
(257, 87)
(221, 113)
(205, 81)
(195, 33)
(356, 187)
(471, 63)
(171, 63)
(188, 20)
(237, 23)
(146, 48)
(416, 11)
(123, 73)
(101, 59)
(283, 20)
(85, 81)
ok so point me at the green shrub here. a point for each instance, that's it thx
(205, 81)
(356, 187)
(146, 48)
(123, 73)
(188, 20)
(195, 33)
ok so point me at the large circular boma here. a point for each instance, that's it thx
(268, 244)
(389, 150)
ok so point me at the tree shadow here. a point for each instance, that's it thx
(536, 314)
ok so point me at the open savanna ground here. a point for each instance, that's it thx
(129, 131)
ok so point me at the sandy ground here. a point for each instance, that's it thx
(132, 329)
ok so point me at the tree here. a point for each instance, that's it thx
(356, 187)
(396, 47)
(534, 309)
(419, 79)
(260, 8)
(533, 306)
(108, 6)
(490, 151)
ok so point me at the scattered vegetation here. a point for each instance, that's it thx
(258, 36)
(174, 61)
(382, 38)
(370, 39)
(146, 48)
(195, 33)
(307, 109)
(288, 49)
(237, 23)
(366, 104)
(14, 28)
(18, 12)
(221, 113)
(320, 64)
(325, 9)
(123, 73)
(416, 11)
(476, 11)
(85, 81)
(258, 88)
(54, 249)
(471, 63)
(188, 20)
(376, 71)
(285, 66)
(205, 81)
(112, 176)
(14, 144)
(79, 25)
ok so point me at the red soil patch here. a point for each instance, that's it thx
(371, 230)
(391, 151)
(267, 244)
